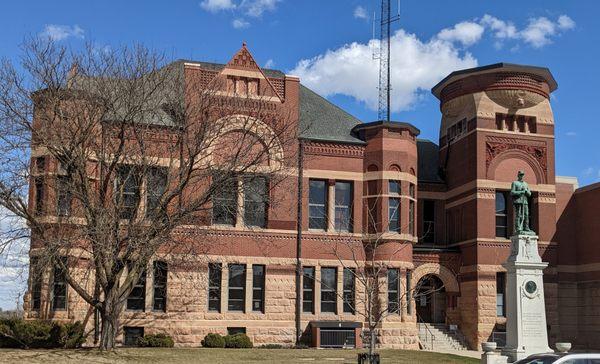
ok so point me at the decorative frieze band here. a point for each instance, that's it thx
(334, 150)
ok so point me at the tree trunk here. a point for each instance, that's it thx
(110, 322)
(372, 343)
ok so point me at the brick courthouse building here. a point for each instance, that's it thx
(442, 207)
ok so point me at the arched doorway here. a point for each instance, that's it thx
(430, 299)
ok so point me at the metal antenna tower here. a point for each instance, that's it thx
(384, 58)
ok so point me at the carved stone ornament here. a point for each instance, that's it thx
(495, 148)
(515, 99)
(452, 108)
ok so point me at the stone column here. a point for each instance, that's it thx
(248, 290)
(330, 205)
(224, 286)
(317, 292)
(239, 216)
(403, 299)
(149, 303)
(340, 291)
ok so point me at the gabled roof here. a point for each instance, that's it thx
(542, 72)
(271, 73)
(323, 121)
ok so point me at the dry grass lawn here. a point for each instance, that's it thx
(199, 355)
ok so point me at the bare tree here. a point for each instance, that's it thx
(108, 155)
(368, 260)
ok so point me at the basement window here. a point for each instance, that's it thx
(131, 335)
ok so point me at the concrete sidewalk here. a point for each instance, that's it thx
(467, 353)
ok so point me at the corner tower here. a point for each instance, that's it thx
(496, 120)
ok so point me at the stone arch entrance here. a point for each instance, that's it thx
(439, 287)
(430, 299)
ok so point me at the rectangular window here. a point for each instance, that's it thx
(412, 190)
(409, 308)
(137, 298)
(35, 274)
(349, 291)
(393, 277)
(501, 215)
(501, 294)
(308, 289)
(156, 185)
(40, 164)
(395, 188)
(224, 199)
(160, 286)
(253, 87)
(317, 205)
(256, 195)
(235, 330)
(343, 206)
(258, 288)
(59, 287)
(411, 217)
(214, 287)
(64, 196)
(237, 287)
(39, 195)
(329, 290)
(132, 334)
(429, 221)
(128, 191)
(394, 215)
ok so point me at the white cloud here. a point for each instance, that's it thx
(565, 22)
(466, 32)
(269, 64)
(588, 171)
(256, 8)
(14, 260)
(59, 32)
(538, 32)
(240, 9)
(501, 28)
(217, 5)
(416, 67)
(240, 23)
(360, 13)
(571, 133)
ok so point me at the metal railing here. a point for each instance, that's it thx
(428, 333)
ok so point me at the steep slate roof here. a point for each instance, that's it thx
(319, 118)
(428, 157)
(322, 120)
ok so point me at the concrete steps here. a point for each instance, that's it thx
(439, 337)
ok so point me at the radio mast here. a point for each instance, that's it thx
(384, 58)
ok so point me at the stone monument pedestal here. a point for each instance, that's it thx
(526, 331)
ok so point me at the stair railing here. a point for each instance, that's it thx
(428, 333)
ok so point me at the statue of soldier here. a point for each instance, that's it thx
(520, 193)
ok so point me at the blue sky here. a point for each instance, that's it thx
(326, 42)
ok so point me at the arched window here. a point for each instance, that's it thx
(501, 215)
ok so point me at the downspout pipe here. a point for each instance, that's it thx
(299, 242)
